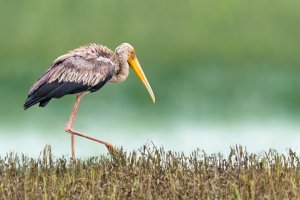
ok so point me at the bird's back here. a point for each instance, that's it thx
(83, 69)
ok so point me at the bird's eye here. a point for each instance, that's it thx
(132, 53)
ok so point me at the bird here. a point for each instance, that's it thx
(81, 71)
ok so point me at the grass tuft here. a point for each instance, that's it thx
(152, 173)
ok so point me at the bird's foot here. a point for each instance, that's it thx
(111, 149)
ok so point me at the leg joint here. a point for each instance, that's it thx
(68, 129)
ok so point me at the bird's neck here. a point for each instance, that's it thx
(122, 70)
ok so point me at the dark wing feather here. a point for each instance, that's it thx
(55, 89)
(70, 74)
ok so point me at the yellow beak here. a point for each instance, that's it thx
(135, 65)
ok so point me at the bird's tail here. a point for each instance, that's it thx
(32, 100)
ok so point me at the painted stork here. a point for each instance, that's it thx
(81, 71)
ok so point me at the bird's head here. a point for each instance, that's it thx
(128, 52)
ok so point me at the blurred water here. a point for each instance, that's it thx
(212, 138)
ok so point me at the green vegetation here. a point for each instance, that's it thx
(209, 59)
(152, 173)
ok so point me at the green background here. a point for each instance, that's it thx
(210, 63)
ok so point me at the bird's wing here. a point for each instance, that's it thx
(81, 65)
(79, 70)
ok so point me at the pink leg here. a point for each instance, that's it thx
(69, 128)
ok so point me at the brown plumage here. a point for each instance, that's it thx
(82, 70)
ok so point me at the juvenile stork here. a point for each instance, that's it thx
(81, 71)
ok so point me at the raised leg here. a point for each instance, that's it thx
(69, 128)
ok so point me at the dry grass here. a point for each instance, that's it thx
(152, 173)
